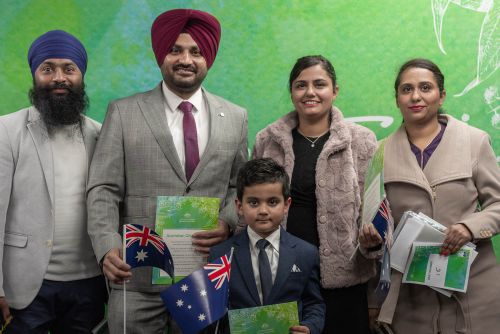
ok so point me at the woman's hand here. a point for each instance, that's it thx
(369, 237)
(456, 236)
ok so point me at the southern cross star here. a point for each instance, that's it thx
(141, 255)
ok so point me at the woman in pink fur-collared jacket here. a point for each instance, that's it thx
(326, 159)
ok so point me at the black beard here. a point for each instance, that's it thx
(59, 110)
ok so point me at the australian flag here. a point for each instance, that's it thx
(143, 247)
(382, 219)
(381, 222)
(201, 298)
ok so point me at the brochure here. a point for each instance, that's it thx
(427, 267)
(414, 227)
(269, 319)
(374, 191)
(177, 218)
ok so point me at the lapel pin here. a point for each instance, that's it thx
(221, 114)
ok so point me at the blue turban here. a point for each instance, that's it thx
(57, 44)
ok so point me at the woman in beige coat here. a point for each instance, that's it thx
(326, 158)
(447, 170)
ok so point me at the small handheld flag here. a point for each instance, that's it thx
(201, 298)
(382, 219)
(144, 247)
(382, 222)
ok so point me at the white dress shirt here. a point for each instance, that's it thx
(175, 116)
(272, 251)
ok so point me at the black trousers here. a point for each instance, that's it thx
(62, 307)
(346, 310)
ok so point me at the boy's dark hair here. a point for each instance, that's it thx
(260, 171)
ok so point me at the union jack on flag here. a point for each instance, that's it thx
(143, 235)
(384, 209)
(219, 271)
(144, 247)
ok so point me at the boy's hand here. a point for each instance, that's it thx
(203, 240)
(299, 329)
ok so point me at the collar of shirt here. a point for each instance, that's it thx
(273, 238)
(424, 155)
(175, 120)
(173, 100)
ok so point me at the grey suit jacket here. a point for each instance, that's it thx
(27, 201)
(136, 161)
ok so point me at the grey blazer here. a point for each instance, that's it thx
(27, 201)
(136, 161)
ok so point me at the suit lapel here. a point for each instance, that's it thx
(244, 263)
(285, 263)
(40, 137)
(152, 107)
(215, 126)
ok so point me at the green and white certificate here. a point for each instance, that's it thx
(426, 267)
(177, 218)
(269, 319)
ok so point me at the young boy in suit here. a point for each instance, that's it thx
(269, 265)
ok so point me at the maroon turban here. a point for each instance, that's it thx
(203, 28)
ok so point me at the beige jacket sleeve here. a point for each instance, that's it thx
(485, 223)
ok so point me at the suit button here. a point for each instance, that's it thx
(322, 183)
(327, 252)
(188, 189)
(49, 243)
(322, 219)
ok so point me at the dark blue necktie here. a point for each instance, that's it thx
(266, 278)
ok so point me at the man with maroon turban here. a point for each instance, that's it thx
(175, 140)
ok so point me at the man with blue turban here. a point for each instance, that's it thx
(177, 139)
(49, 276)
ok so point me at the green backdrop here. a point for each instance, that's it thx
(365, 40)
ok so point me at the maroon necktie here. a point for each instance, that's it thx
(190, 138)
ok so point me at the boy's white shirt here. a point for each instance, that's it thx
(272, 251)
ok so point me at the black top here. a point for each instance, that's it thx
(301, 220)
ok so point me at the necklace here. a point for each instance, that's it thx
(312, 141)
